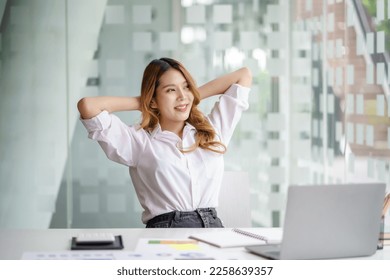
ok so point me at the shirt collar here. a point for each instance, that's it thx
(158, 133)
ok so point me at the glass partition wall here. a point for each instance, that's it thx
(318, 107)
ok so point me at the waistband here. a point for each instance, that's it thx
(179, 214)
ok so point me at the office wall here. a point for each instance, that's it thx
(44, 45)
(318, 108)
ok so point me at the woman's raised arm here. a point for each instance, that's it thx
(242, 76)
(89, 107)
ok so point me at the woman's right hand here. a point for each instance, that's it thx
(90, 107)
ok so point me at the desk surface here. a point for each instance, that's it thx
(13, 243)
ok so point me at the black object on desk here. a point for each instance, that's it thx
(117, 244)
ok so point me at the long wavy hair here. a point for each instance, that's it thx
(205, 134)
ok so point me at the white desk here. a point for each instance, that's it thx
(13, 243)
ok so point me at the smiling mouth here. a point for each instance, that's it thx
(181, 108)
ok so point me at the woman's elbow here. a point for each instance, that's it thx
(245, 77)
(84, 108)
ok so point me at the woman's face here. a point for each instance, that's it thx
(173, 99)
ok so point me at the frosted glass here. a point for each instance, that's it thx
(19, 15)
(301, 94)
(276, 40)
(380, 73)
(46, 203)
(339, 76)
(223, 40)
(115, 15)
(380, 42)
(169, 41)
(301, 40)
(276, 175)
(330, 156)
(350, 15)
(339, 48)
(330, 49)
(116, 203)
(359, 44)
(350, 133)
(301, 121)
(117, 90)
(330, 22)
(330, 76)
(350, 74)
(142, 14)
(89, 203)
(142, 41)
(248, 120)
(249, 40)
(316, 51)
(370, 42)
(350, 103)
(91, 68)
(380, 105)
(339, 130)
(276, 66)
(302, 149)
(381, 170)
(89, 178)
(115, 68)
(315, 128)
(196, 14)
(359, 134)
(222, 13)
(380, 10)
(274, 14)
(330, 103)
(304, 66)
(359, 104)
(369, 135)
(315, 77)
(370, 168)
(275, 148)
(351, 163)
(275, 122)
(309, 5)
(369, 74)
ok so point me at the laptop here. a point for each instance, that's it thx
(329, 221)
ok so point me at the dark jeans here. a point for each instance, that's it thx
(200, 218)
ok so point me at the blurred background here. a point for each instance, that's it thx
(318, 109)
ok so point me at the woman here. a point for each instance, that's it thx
(175, 155)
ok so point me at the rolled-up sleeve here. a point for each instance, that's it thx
(228, 110)
(120, 142)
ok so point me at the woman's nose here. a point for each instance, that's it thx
(180, 94)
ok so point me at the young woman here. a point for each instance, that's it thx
(175, 155)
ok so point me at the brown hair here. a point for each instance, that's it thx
(205, 135)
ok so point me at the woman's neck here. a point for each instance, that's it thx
(176, 128)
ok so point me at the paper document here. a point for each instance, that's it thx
(240, 237)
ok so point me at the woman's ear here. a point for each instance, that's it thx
(153, 104)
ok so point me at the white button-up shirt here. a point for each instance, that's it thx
(165, 179)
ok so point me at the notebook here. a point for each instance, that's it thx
(240, 237)
(329, 221)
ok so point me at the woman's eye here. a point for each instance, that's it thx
(170, 90)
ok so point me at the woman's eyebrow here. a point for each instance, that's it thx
(168, 85)
(172, 85)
